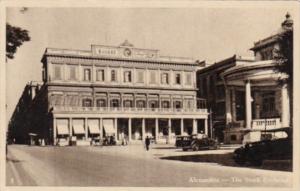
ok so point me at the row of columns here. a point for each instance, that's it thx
(248, 106)
(157, 129)
(194, 126)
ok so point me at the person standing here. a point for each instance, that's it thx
(147, 143)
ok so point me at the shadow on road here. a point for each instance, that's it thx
(227, 160)
(162, 148)
(8, 159)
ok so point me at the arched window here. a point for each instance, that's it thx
(165, 104)
(140, 104)
(87, 102)
(153, 104)
(101, 103)
(127, 103)
(114, 103)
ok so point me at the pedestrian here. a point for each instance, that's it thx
(147, 143)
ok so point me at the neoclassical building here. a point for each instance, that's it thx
(253, 94)
(122, 91)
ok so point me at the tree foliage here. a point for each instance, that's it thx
(15, 37)
(284, 55)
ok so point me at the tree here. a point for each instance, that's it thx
(285, 63)
(15, 36)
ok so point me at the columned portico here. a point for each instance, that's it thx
(254, 100)
(248, 100)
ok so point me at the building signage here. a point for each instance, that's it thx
(124, 52)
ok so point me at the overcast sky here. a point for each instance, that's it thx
(210, 34)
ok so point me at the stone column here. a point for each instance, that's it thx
(181, 126)
(116, 128)
(206, 127)
(129, 129)
(228, 106)
(169, 129)
(70, 127)
(248, 100)
(195, 129)
(143, 129)
(101, 128)
(54, 131)
(86, 128)
(156, 129)
(233, 105)
(285, 107)
(257, 106)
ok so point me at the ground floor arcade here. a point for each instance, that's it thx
(165, 130)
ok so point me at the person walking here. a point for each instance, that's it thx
(147, 143)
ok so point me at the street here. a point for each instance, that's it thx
(133, 166)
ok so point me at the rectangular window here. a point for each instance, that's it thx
(140, 76)
(57, 72)
(72, 74)
(87, 74)
(165, 78)
(100, 75)
(127, 76)
(188, 79)
(178, 79)
(113, 75)
(152, 77)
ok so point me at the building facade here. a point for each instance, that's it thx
(254, 94)
(211, 87)
(119, 91)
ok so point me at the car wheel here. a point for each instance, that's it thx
(195, 147)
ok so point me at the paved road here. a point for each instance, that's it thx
(127, 166)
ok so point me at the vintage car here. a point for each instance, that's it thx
(198, 142)
(179, 139)
(276, 144)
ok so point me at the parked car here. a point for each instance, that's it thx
(179, 139)
(275, 145)
(198, 142)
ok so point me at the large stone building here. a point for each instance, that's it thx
(247, 94)
(122, 91)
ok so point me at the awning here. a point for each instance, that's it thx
(78, 129)
(94, 129)
(62, 129)
(108, 126)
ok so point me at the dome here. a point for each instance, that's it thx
(288, 22)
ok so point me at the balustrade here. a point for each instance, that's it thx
(128, 109)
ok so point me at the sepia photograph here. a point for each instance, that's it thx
(150, 95)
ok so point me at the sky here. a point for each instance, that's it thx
(210, 34)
